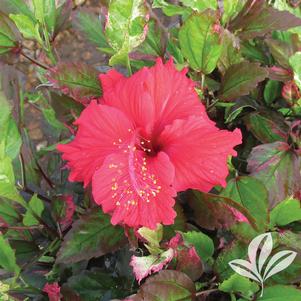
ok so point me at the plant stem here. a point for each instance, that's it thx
(42, 197)
(157, 20)
(262, 288)
(34, 61)
(202, 81)
(22, 228)
(207, 292)
(128, 65)
(47, 45)
(21, 160)
(21, 111)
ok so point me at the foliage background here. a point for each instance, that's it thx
(245, 57)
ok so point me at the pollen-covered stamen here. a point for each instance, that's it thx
(133, 180)
(119, 143)
(120, 185)
(145, 145)
(148, 146)
(145, 183)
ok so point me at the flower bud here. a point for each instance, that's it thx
(290, 92)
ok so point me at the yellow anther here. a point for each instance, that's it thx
(114, 186)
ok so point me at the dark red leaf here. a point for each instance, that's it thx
(240, 79)
(278, 168)
(77, 80)
(267, 126)
(167, 285)
(212, 211)
(257, 18)
(281, 51)
(91, 236)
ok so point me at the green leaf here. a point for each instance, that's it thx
(258, 19)
(25, 250)
(240, 79)
(91, 285)
(50, 15)
(267, 126)
(286, 212)
(5, 107)
(272, 90)
(211, 211)
(291, 6)
(8, 212)
(39, 11)
(280, 293)
(153, 237)
(281, 51)
(295, 62)
(239, 284)
(200, 45)
(237, 249)
(188, 261)
(243, 103)
(167, 286)
(171, 9)
(10, 138)
(202, 243)
(200, 5)
(27, 27)
(252, 194)
(231, 9)
(62, 16)
(178, 225)
(290, 240)
(186, 9)
(8, 39)
(91, 28)
(8, 258)
(278, 168)
(50, 116)
(146, 265)
(7, 181)
(45, 13)
(91, 236)
(152, 42)
(77, 80)
(231, 54)
(35, 209)
(16, 7)
(253, 50)
(125, 28)
(175, 51)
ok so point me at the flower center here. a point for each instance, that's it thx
(149, 146)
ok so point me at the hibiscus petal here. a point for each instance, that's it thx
(102, 130)
(153, 97)
(109, 81)
(136, 189)
(130, 96)
(199, 152)
(173, 94)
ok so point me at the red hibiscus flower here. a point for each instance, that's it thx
(149, 138)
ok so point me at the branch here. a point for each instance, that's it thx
(34, 60)
(207, 292)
